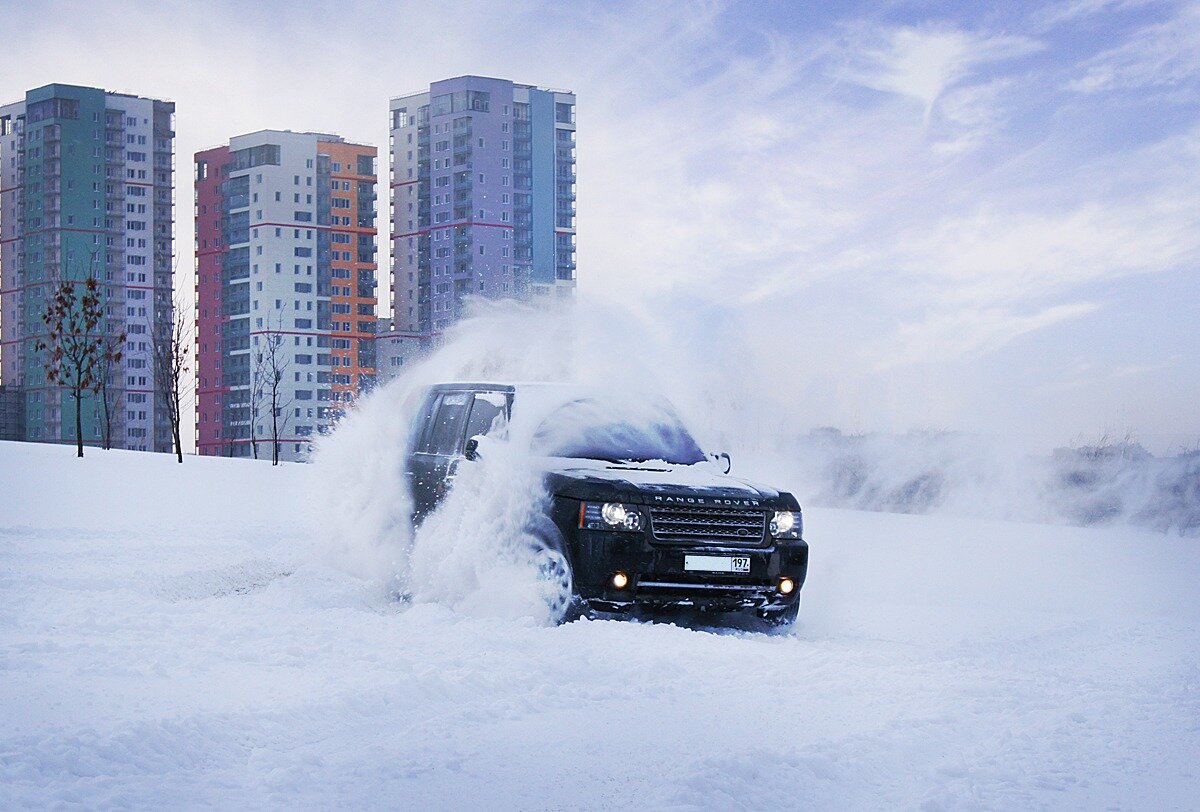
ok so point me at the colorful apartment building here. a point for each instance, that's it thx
(285, 289)
(87, 188)
(482, 198)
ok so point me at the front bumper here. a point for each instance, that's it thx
(657, 576)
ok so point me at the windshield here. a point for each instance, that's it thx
(591, 429)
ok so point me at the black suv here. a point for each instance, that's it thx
(635, 515)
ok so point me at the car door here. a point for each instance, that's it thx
(452, 418)
(417, 464)
(436, 449)
(488, 415)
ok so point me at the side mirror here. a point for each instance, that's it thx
(724, 458)
(471, 449)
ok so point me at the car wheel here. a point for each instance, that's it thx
(781, 617)
(556, 582)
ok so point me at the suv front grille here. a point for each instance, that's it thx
(728, 527)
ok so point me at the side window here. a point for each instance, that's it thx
(445, 436)
(489, 414)
(418, 432)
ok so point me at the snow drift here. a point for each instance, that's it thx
(209, 657)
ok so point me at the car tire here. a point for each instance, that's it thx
(781, 617)
(556, 577)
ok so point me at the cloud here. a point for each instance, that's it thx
(922, 63)
(976, 114)
(1080, 9)
(1020, 256)
(1163, 55)
(968, 333)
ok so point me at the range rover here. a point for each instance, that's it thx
(635, 514)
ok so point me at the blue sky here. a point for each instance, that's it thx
(948, 215)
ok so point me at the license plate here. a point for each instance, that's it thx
(717, 563)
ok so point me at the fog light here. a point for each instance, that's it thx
(786, 586)
(620, 580)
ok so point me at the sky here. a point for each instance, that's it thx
(963, 216)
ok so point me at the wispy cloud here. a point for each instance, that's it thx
(959, 334)
(1162, 55)
(923, 62)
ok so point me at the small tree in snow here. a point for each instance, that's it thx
(110, 360)
(170, 369)
(258, 388)
(78, 353)
(271, 361)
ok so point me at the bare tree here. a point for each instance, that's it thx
(258, 384)
(271, 362)
(170, 368)
(109, 395)
(78, 353)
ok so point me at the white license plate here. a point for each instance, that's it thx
(716, 563)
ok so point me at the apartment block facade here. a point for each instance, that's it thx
(482, 198)
(87, 190)
(285, 289)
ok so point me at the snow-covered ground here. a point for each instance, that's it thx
(173, 636)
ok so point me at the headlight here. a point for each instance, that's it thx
(786, 524)
(610, 516)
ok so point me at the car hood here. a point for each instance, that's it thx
(657, 483)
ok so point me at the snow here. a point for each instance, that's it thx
(177, 635)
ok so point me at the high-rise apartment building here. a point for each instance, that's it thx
(87, 189)
(482, 198)
(285, 289)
